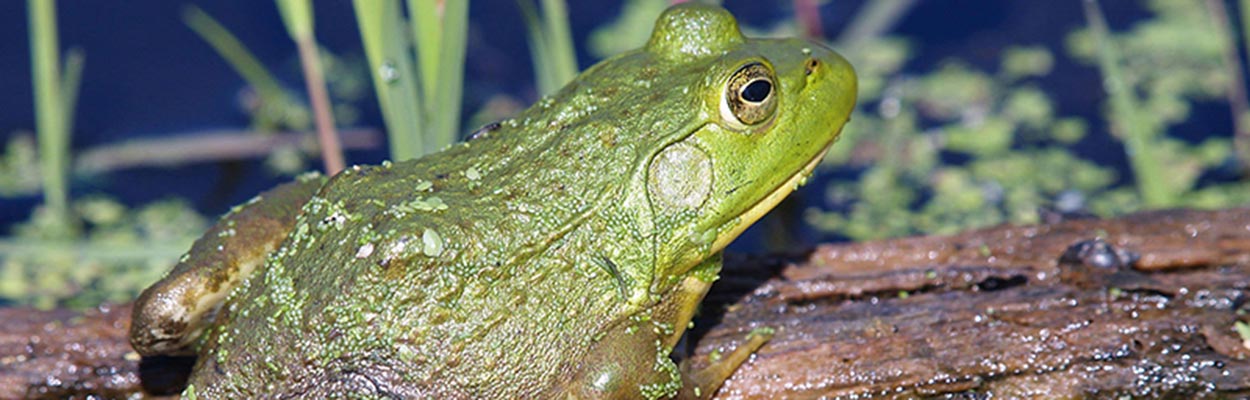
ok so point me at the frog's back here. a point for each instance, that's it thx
(458, 267)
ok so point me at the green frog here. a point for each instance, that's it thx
(558, 254)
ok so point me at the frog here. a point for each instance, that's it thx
(560, 253)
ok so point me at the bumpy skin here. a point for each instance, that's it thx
(558, 255)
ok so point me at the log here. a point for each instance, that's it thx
(1140, 306)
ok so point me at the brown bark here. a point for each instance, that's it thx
(65, 354)
(1044, 311)
(1139, 306)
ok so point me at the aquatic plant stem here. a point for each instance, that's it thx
(50, 116)
(439, 32)
(1242, 141)
(71, 79)
(426, 22)
(327, 135)
(444, 107)
(394, 78)
(297, 14)
(235, 53)
(875, 18)
(1237, 101)
(93, 249)
(807, 14)
(538, 48)
(551, 45)
(209, 146)
(1139, 135)
(559, 41)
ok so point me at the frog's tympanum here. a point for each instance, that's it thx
(558, 254)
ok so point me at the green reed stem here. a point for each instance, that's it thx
(551, 44)
(444, 120)
(1139, 134)
(235, 53)
(50, 106)
(394, 77)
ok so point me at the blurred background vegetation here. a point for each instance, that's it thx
(1013, 116)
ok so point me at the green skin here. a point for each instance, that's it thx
(560, 254)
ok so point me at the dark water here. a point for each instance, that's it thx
(148, 75)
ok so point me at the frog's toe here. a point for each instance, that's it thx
(702, 383)
(161, 322)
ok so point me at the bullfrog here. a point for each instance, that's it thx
(561, 253)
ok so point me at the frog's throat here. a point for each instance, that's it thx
(767, 203)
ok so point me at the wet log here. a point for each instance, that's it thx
(1141, 306)
(66, 354)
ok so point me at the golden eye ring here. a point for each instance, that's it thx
(750, 95)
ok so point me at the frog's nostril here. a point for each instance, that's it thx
(810, 66)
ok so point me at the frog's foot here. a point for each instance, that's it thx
(169, 316)
(702, 383)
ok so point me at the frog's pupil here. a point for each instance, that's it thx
(757, 91)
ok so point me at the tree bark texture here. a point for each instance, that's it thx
(1142, 306)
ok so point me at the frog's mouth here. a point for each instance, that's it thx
(767, 203)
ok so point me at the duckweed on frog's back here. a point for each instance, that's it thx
(560, 254)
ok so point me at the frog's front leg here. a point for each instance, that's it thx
(168, 315)
(632, 359)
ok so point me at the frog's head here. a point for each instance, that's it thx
(765, 112)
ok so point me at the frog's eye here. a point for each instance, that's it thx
(750, 97)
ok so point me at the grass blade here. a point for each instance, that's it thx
(551, 44)
(427, 35)
(297, 16)
(445, 121)
(562, 57)
(50, 116)
(544, 77)
(71, 80)
(237, 55)
(394, 79)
